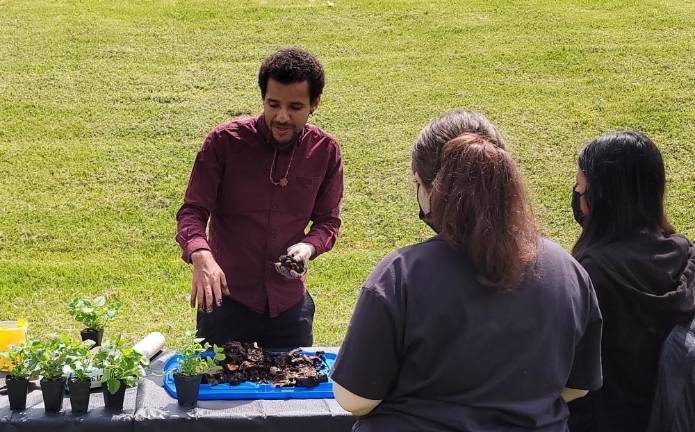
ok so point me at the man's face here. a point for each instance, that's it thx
(286, 109)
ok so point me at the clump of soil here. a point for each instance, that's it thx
(247, 362)
(290, 264)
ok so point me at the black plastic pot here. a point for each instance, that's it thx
(187, 388)
(17, 392)
(79, 395)
(53, 392)
(114, 402)
(91, 334)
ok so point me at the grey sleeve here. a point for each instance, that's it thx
(586, 371)
(368, 361)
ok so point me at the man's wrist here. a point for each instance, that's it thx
(311, 247)
(198, 256)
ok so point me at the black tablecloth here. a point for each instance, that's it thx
(150, 408)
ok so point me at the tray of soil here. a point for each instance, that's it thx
(250, 372)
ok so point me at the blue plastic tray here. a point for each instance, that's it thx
(250, 390)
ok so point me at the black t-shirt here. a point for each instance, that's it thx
(446, 353)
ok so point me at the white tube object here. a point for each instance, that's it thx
(150, 345)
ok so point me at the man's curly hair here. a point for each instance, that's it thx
(292, 65)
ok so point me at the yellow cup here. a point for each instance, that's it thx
(11, 333)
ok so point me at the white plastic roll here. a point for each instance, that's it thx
(150, 345)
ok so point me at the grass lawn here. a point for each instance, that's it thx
(104, 104)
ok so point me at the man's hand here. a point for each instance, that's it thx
(300, 252)
(209, 283)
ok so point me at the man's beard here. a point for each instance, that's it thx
(284, 145)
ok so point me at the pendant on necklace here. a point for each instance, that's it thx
(283, 182)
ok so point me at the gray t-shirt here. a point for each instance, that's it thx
(446, 353)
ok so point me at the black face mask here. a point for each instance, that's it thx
(424, 217)
(576, 207)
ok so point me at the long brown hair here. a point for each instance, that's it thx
(478, 197)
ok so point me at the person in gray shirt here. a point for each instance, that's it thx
(485, 326)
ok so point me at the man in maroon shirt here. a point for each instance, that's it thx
(260, 182)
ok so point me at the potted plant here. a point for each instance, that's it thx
(49, 358)
(93, 313)
(121, 367)
(192, 365)
(79, 358)
(22, 369)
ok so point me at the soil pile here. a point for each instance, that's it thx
(290, 264)
(247, 362)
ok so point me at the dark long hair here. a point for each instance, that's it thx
(478, 197)
(625, 189)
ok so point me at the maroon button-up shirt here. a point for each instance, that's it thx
(253, 221)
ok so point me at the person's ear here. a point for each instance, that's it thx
(315, 104)
(418, 179)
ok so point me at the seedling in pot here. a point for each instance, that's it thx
(49, 357)
(79, 358)
(22, 369)
(93, 313)
(192, 365)
(121, 367)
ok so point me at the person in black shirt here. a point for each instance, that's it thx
(485, 326)
(642, 272)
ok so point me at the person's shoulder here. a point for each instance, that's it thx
(226, 135)
(559, 273)
(680, 241)
(238, 125)
(550, 250)
(554, 257)
(549, 246)
(393, 268)
(636, 247)
(318, 135)
(434, 244)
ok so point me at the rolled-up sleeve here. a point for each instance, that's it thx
(325, 217)
(199, 200)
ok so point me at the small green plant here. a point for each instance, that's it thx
(119, 362)
(93, 312)
(22, 360)
(193, 362)
(49, 357)
(79, 357)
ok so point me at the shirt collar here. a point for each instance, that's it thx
(267, 135)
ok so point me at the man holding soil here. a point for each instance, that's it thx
(259, 182)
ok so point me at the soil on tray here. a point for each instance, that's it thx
(290, 264)
(247, 362)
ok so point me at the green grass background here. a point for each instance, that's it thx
(103, 105)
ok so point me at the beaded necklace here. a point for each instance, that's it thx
(283, 181)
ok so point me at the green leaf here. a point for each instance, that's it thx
(113, 385)
(93, 313)
(119, 361)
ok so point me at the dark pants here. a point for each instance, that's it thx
(235, 322)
